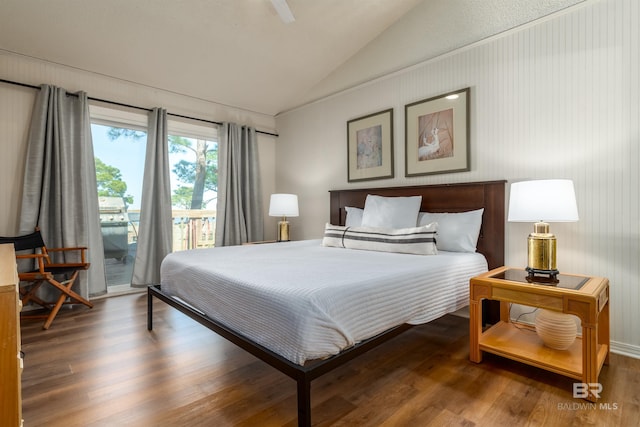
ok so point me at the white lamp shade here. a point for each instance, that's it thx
(547, 200)
(283, 205)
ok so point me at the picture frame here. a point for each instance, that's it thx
(370, 147)
(437, 136)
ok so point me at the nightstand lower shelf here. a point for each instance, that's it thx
(519, 342)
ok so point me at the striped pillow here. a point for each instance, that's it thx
(416, 240)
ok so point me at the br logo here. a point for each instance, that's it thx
(584, 390)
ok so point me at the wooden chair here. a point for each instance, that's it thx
(61, 276)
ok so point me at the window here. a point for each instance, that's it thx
(119, 148)
(119, 143)
(193, 159)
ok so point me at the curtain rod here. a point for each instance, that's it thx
(134, 106)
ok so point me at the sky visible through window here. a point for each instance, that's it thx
(127, 154)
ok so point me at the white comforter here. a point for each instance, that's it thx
(305, 301)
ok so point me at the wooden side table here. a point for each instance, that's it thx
(583, 296)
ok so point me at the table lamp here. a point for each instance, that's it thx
(283, 205)
(541, 202)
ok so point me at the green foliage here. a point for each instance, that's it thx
(186, 173)
(181, 197)
(198, 176)
(110, 183)
(115, 133)
(178, 144)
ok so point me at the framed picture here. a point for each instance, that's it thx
(437, 134)
(370, 146)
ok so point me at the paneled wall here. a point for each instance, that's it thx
(557, 98)
(15, 113)
(16, 104)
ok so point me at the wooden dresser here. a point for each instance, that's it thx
(10, 360)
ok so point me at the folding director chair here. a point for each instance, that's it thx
(61, 276)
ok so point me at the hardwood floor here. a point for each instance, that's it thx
(101, 367)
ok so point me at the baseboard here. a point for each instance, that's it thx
(463, 312)
(625, 349)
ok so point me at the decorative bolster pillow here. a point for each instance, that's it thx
(416, 240)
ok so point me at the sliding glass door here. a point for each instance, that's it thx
(119, 139)
(119, 155)
(194, 184)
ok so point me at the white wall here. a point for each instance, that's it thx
(431, 28)
(558, 98)
(16, 104)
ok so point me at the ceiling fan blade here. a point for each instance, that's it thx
(283, 10)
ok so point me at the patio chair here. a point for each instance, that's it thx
(61, 276)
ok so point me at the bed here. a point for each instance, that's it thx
(328, 289)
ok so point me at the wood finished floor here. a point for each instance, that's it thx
(101, 367)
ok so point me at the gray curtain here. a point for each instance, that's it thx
(155, 231)
(239, 207)
(60, 192)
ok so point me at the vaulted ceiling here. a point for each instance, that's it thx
(240, 53)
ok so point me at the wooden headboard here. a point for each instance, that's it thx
(443, 198)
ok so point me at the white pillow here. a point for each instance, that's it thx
(457, 232)
(391, 212)
(415, 240)
(354, 217)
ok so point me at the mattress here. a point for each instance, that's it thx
(305, 301)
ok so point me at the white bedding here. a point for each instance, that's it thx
(305, 301)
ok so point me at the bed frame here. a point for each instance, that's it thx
(435, 198)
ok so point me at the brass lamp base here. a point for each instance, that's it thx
(283, 231)
(541, 247)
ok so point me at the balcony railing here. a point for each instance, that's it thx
(192, 228)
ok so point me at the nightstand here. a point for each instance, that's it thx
(583, 296)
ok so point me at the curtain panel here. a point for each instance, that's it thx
(155, 231)
(59, 190)
(239, 206)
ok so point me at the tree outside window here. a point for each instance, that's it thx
(194, 183)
